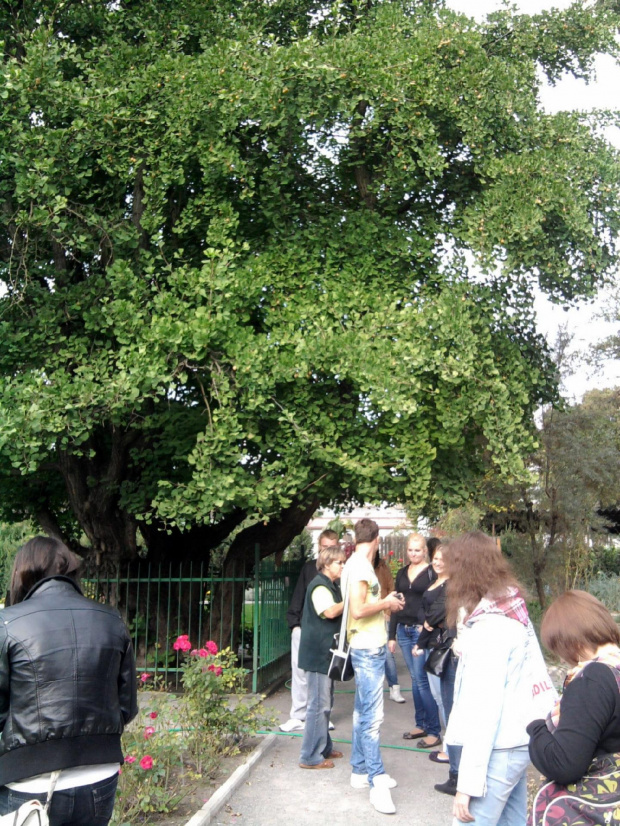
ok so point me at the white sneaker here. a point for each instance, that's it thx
(396, 695)
(380, 796)
(293, 725)
(331, 726)
(360, 781)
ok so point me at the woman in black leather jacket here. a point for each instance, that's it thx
(67, 689)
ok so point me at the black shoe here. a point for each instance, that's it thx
(449, 787)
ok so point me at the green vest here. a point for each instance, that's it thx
(317, 633)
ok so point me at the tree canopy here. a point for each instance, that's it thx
(259, 257)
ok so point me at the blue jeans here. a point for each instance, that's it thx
(426, 713)
(447, 697)
(390, 669)
(369, 667)
(90, 805)
(505, 802)
(317, 744)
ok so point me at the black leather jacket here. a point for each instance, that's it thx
(67, 682)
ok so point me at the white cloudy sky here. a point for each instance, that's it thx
(583, 322)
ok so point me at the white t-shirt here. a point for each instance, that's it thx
(366, 632)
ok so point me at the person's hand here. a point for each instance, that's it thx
(460, 810)
(395, 601)
(417, 652)
(392, 646)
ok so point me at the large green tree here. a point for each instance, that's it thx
(260, 257)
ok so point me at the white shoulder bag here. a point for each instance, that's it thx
(32, 813)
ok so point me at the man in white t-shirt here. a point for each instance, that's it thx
(367, 637)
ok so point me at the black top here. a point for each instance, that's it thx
(412, 613)
(589, 726)
(296, 608)
(434, 609)
(317, 633)
(67, 682)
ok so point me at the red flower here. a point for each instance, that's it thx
(216, 669)
(203, 652)
(182, 643)
(391, 553)
(153, 715)
(211, 647)
(149, 731)
(144, 677)
(130, 759)
(147, 762)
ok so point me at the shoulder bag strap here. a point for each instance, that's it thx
(53, 780)
(345, 611)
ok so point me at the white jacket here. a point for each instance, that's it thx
(501, 685)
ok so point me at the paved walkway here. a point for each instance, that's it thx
(279, 793)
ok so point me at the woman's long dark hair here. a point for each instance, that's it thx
(476, 569)
(41, 557)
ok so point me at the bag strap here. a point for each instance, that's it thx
(345, 611)
(53, 780)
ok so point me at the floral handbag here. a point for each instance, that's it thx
(593, 801)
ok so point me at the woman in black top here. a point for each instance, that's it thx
(583, 730)
(406, 626)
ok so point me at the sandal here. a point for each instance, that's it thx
(424, 744)
(438, 757)
(414, 735)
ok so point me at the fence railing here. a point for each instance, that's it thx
(161, 602)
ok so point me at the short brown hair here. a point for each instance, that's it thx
(327, 534)
(575, 625)
(329, 555)
(366, 530)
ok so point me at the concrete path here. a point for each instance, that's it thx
(279, 793)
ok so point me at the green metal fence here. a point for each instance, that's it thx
(161, 602)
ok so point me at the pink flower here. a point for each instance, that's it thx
(130, 759)
(144, 677)
(211, 647)
(149, 731)
(182, 643)
(203, 652)
(194, 652)
(153, 715)
(391, 553)
(216, 669)
(147, 762)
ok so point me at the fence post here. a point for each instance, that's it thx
(255, 618)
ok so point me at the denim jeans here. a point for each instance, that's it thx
(317, 744)
(505, 802)
(447, 697)
(90, 805)
(426, 713)
(369, 667)
(390, 669)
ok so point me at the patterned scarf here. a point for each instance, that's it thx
(511, 605)
(610, 656)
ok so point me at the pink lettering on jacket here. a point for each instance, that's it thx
(540, 687)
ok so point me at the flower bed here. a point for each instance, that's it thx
(175, 746)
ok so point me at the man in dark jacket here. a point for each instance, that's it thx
(67, 689)
(299, 689)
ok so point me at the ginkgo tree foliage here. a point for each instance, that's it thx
(260, 257)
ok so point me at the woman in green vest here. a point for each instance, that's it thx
(320, 621)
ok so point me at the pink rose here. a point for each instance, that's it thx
(211, 647)
(130, 759)
(153, 715)
(149, 731)
(216, 669)
(194, 652)
(147, 762)
(203, 652)
(144, 677)
(182, 643)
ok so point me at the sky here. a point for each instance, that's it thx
(583, 322)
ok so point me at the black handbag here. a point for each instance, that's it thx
(437, 660)
(340, 667)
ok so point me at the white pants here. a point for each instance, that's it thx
(299, 684)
